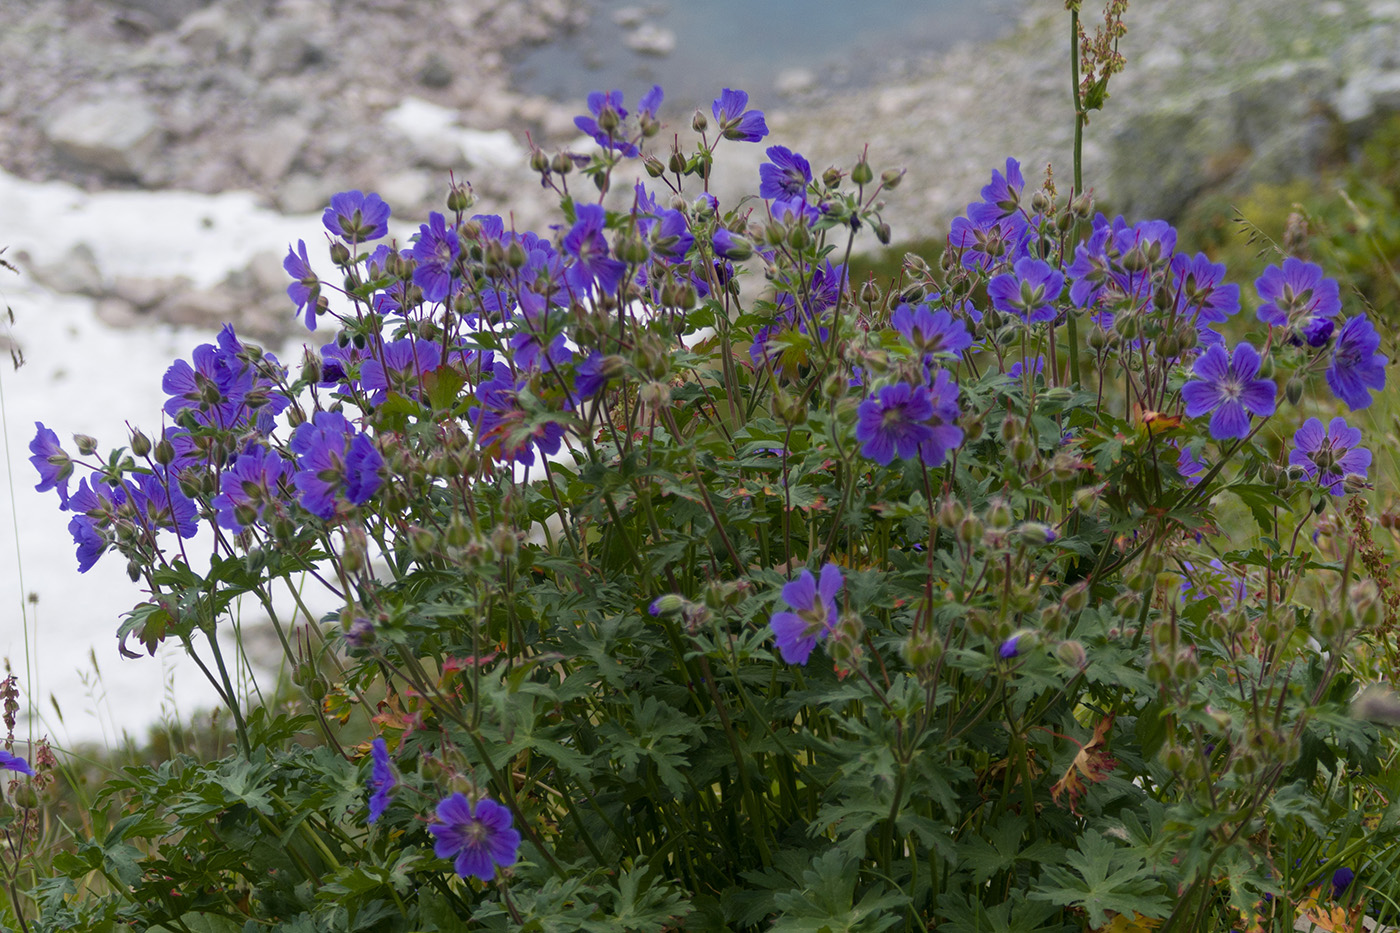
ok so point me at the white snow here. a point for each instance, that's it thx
(429, 125)
(81, 377)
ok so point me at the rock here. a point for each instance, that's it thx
(629, 17)
(793, 81)
(115, 136)
(199, 307)
(77, 273)
(435, 72)
(114, 312)
(266, 274)
(413, 193)
(161, 14)
(268, 153)
(301, 193)
(651, 39)
(439, 142)
(216, 32)
(142, 294)
(284, 47)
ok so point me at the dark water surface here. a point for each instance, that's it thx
(752, 44)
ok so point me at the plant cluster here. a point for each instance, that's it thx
(685, 583)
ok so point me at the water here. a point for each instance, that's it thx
(756, 45)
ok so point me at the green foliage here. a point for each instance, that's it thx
(1052, 691)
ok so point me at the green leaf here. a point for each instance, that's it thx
(1105, 878)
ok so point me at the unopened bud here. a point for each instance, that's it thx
(1072, 654)
(86, 444)
(459, 199)
(140, 444)
(999, 516)
(1293, 390)
(699, 123)
(862, 174)
(164, 452)
(667, 605)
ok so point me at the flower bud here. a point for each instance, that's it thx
(1293, 391)
(164, 452)
(951, 512)
(921, 650)
(654, 166)
(562, 164)
(882, 233)
(1083, 206)
(970, 530)
(539, 161)
(699, 123)
(1036, 534)
(87, 445)
(891, 177)
(140, 444)
(1072, 654)
(667, 605)
(340, 253)
(999, 516)
(1076, 597)
(831, 178)
(862, 174)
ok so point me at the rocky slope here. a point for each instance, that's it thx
(296, 99)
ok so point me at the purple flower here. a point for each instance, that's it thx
(1315, 332)
(381, 779)
(94, 507)
(1020, 367)
(1356, 367)
(1029, 292)
(1001, 198)
(796, 633)
(893, 422)
(1229, 588)
(332, 458)
(1008, 649)
(736, 121)
(254, 481)
(650, 102)
(944, 433)
(1327, 456)
(477, 839)
(606, 120)
(357, 217)
(1202, 288)
(54, 466)
(731, 245)
(160, 503)
(1189, 466)
(306, 287)
(985, 242)
(1295, 293)
(435, 253)
(933, 333)
(10, 762)
(591, 375)
(586, 244)
(400, 368)
(1341, 880)
(1227, 388)
(786, 176)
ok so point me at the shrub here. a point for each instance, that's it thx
(687, 584)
